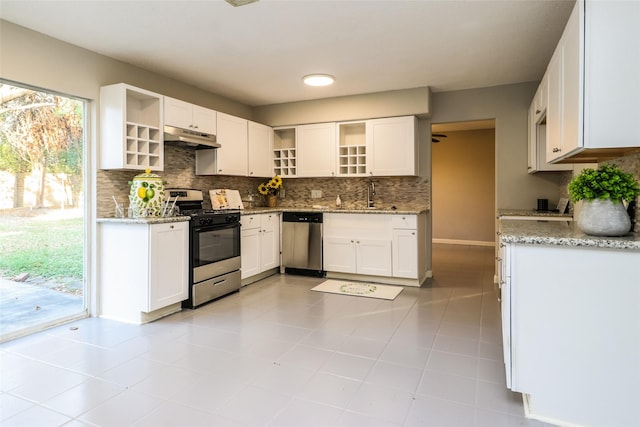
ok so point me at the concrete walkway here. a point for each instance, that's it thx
(24, 306)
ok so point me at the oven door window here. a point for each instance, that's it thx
(212, 244)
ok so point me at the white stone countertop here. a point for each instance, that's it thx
(399, 210)
(145, 220)
(560, 233)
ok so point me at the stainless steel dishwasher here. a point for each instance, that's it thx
(302, 243)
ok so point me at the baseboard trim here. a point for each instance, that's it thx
(463, 242)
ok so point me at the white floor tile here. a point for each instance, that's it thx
(279, 354)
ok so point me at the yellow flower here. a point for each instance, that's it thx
(271, 187)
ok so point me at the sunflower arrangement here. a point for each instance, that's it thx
(272, 187)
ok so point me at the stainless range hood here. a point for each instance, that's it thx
(189, 138)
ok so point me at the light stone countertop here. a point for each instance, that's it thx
(145, 220)
(560, 233)
(531, 212)
(400, 210)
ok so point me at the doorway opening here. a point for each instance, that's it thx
(463, 183)
(42, 209)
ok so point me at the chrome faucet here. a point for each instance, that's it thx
(371, 191)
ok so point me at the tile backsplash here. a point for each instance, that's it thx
(179, 172)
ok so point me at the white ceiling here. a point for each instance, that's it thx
(257, 54)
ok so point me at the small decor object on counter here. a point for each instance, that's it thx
(271, 189)
(338, 201)
(146, 196)
(602, 193)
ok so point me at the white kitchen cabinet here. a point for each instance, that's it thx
(405, 253)
(144, 271)
(357, 255)
(260, 245)
(565, 359)
(392, 146)
(598, 99)
(231, 157)
(260, 150)
(317, 150)
(538, 129)
(352, 149)
(184, 115)
(131, 125)
(378, 247)
(285, 160)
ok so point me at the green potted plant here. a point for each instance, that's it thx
(602, 192)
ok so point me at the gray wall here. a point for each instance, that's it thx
(508, 105)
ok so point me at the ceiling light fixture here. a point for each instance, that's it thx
(318, 80)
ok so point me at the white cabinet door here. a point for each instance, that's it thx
(250, 248)
(270, 241)
(405, 253)
(317, 150)
(554, 107)
(231, 157)
(260, 150)
(177, 113)
(373, 257)
(204, 119)
(505, 307)
(339, 254)
(168, 264)
(185, 115)
(392, 146)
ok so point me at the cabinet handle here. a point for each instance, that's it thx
(556, 150)
(171, 227)
(195, 126)
(537, 111)
(220, 170)
(413, 233)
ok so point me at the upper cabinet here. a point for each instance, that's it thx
(539, 113)
(260, 150)
(317, 150)
(188, 116)
(131, 128)
(231, 157)
(352, 148)
(597, 90)
(392, 146)
(285, 158)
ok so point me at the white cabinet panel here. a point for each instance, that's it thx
(189, 116)
(373, 257)
(260, 244)
(231, 157)
(405, 253)
(260, 150)
(168, 262)
(317, 150)
(392, 146)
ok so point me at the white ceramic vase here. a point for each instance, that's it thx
(603, 218)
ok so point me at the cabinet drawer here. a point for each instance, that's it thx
(404, 221)
(248, 222)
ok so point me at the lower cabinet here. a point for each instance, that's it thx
(357, 255)
(259, 245)
(571, 317)
(391, 247)
(144, 271)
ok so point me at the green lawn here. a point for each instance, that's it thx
(41, 246)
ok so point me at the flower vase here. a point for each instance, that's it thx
(272, 200)
(603, 218)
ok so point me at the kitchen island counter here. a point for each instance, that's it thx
(560, 233)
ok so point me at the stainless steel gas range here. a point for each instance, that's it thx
(214, 248)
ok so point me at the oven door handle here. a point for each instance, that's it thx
(201, 229)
